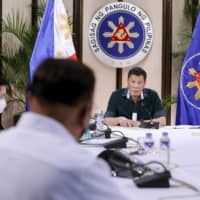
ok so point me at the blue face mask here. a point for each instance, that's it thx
(3, 104)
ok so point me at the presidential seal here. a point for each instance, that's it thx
(120, 34)
(190, 81)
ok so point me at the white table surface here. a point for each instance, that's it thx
(184, 159)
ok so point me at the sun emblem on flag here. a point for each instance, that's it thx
(195, 83)
(65, 26)
(121, 34)
(190, 81)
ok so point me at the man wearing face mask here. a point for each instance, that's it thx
(3, 104)
(40, 156)
(129, 106)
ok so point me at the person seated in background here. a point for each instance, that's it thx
(40, 157)
(3, 103)
(142, 103)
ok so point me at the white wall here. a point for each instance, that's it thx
(11, 7)
(106, 76)
(23, 6)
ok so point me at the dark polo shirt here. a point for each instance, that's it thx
(147, 107)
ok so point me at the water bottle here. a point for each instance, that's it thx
(164, 141)
(149, 143)
(165, 148)
(99, 124)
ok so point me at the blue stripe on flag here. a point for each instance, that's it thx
(44, 45)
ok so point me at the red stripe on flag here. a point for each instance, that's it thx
(73, 57)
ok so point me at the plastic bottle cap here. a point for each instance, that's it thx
(165, 133)
(149, 135)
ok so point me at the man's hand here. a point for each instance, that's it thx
(123, 121)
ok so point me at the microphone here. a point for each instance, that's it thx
(148, 124)
(118, 143)
(120, 164)
(104, 132)
(100, 132)
(115, 154)
(99, 127)
(92, 126)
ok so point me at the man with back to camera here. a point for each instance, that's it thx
(135, 100)
(40, 157)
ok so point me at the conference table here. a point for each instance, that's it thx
(184, 162)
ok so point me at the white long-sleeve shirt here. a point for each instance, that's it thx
(40, 160)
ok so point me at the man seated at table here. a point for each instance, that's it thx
(129, 106)
(40, 157)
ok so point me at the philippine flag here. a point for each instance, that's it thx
(54, 38)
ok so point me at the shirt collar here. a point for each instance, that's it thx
(141, 95)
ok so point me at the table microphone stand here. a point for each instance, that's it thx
(149, 124)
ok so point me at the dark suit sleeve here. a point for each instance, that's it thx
(157, 107)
